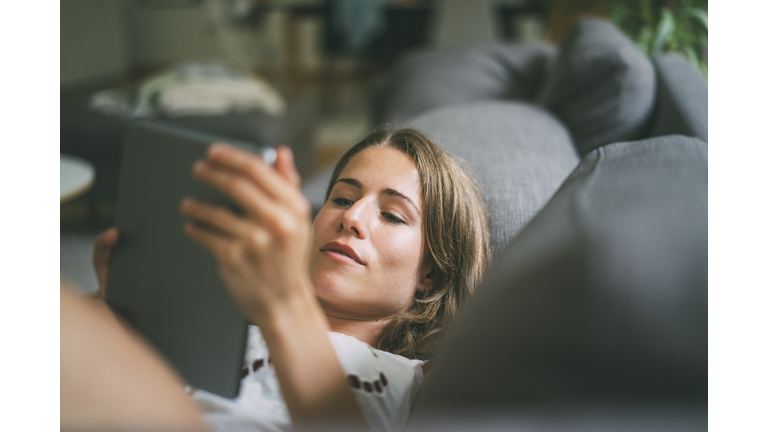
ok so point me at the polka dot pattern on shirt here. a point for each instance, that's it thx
(369, 387)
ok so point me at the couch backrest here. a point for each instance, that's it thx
(600, 85)
(518, 153)
(602, 298)
(427, 80)
(681, 99)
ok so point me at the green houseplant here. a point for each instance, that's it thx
(659, 26)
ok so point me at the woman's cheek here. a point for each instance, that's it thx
(404, 249)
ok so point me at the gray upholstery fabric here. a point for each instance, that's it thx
(602, 298)
(436, 78)
(681, 99)
(518, 153)
(601, 86)
(579, 418)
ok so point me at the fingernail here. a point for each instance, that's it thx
(185, 204)
(215, 148)
(198, 167)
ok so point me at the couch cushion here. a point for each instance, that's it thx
(601, 298)
(681, 99)
(600, 85)
(431, 79)
(518, 153)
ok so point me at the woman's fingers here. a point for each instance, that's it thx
(250, 197)
(256, 169)
(230, 251)
(102, 246)
(210, 240)
(102, 256)
(280, 220)
(216, 217)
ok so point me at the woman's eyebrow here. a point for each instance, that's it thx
(350, 181)
(392, 192)
(388, 191)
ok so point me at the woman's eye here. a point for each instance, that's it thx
(341, 201)
(392, 218)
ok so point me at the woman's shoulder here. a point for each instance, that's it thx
(357, 356)
(384, 384)
(352, 344)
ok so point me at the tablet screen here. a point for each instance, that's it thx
(161, 281)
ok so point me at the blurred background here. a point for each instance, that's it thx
(297, 72)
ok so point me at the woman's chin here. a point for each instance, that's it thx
(329, 284)
(337, 293)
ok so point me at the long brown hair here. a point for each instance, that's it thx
(456, 240)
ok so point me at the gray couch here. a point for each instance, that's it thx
(593, 163)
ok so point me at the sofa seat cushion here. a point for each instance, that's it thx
(518, 153)
(601, 298)
(600, 85)
(431, 79)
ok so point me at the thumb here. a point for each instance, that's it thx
(102, 255)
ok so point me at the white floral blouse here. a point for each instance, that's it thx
(384, 385)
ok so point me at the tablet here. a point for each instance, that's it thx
(161, 281)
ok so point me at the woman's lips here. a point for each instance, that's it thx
(341, 252)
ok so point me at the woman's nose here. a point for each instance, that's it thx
(355, 218)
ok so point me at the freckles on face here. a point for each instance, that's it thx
(366, 248)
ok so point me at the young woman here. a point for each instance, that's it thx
(344, 311)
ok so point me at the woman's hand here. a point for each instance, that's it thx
(261, 253)
(261, 257)
(102, 257)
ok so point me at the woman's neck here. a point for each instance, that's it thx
(363, 329)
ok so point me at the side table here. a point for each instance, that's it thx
(75, 177)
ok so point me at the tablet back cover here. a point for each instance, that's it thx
(161, 281)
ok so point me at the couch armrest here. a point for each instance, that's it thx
(432, 79)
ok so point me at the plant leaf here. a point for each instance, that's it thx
(690, 53)
(644, 40)
(618, 14)
(664, 30)
(700, 15)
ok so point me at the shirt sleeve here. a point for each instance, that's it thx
(383, 383)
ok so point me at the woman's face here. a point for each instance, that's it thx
(366, 248)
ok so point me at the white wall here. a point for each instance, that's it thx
(94, 41)
(198, 31)
(161, 36)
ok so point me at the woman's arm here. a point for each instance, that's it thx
(261, 258)
(310, 376)
(111, 379)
